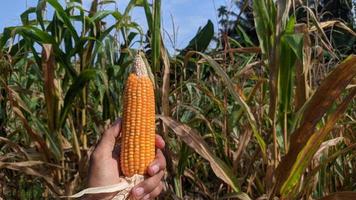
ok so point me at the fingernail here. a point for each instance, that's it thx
(146, 197)
(138, 191)
(155, 168)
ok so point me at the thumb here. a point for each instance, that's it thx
(108, 140)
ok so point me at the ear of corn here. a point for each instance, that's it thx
(138, 128)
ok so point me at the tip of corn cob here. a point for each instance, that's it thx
(139, 66)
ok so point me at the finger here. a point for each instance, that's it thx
(158, 164)
(155, 192)
(160, 142)
(107, 142)
(147, 186)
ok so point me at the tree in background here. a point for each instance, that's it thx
(233, 21)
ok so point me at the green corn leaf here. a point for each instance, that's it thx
(35, 34)
(202, 39)
(156, 36)
(25, 19)
(148, 14)
(64, 17)
(6, 35)
(262, 24)
(286, 76)
(245, 37)
(295, 42)
(129, 7)
(41, 6)
(75, 90)
(98, 16)
(52, 138)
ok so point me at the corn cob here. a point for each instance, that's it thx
(138, 126)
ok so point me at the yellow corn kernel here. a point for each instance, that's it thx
(138, 125)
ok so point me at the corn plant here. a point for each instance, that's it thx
(241, 121)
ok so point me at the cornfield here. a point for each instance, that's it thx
(243, 118)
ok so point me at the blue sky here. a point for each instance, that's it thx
(188, 16)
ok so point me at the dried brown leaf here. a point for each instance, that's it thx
(315, 109)
(305, 156)
(245, 139)
(332, 23)
(326, 145)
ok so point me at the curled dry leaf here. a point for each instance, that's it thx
(332, 23)
(245, 139)
(326, 145)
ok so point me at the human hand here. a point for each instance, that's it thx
(152, 186)
(104, 167)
